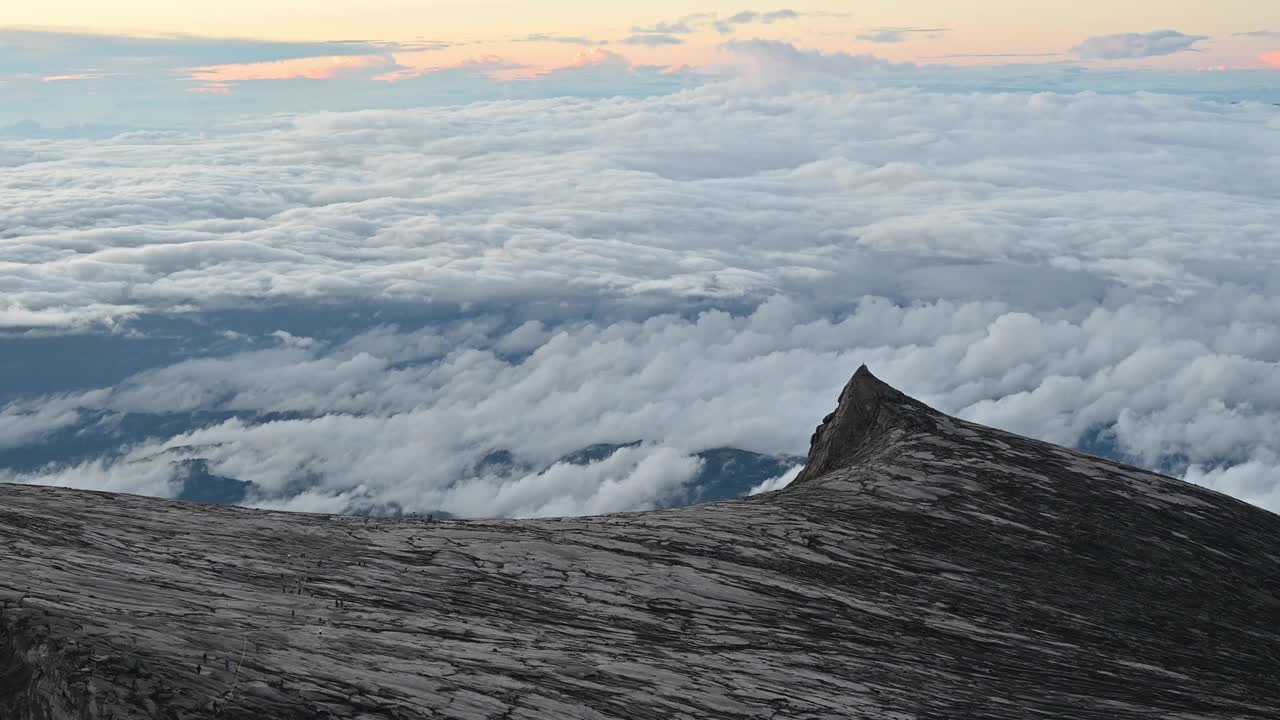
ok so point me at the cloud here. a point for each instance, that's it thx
(884, 36)
(158, 94)
(652, 40)
(1271, 59)
(781, 60)
(45, 53)
(160, 72)
(1269, 34)
(730, 24)
(778, 15)
(480, 68)
(391, 295)
(899, 34)
(684, 26)
(221, 77)
(560, 39)
(776, 483)
(967, 56)
(21, 425)
(724, 25)
(1136, 45)
(1252, 479)
(419, 45)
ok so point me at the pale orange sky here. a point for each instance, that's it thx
(401, 19)
(509, 39)
(977, 27)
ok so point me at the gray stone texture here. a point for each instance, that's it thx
(921, 567)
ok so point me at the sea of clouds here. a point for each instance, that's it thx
(697, 269)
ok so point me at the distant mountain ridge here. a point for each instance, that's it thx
(726, 473)
(104, 439)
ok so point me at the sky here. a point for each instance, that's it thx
(980, 26)
(351, 287)
(125, 61)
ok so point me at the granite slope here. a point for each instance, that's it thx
(920, 567)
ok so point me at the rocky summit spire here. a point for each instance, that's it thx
(866, 417)
(921, 567)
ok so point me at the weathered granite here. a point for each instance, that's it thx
(922, 567)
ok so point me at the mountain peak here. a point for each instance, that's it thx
(869, 415)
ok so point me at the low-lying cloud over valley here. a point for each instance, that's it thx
(355, 309)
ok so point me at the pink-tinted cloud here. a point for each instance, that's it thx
(593, 58)
(499, 68)
(596, 58)
(409, 67)
(1271, 59)
(220, 78)
(71, 77)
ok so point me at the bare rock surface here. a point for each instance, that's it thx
(921, 567)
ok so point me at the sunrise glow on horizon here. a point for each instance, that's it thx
(424, 36)
(193, 62)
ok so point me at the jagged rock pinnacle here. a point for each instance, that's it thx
(921, 567)
(867, 413)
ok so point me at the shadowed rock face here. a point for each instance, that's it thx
(921, 567)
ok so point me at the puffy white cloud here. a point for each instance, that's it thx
(695, 270)
(402, 416)
(704, 194)
(782, 61)
(777, 483)
(21, 425)
(1125, 46)
(1253, 479)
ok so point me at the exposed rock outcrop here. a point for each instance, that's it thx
(920, 567)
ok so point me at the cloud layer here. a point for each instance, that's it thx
(695, 270)
(1127, 46)
(899, 34)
